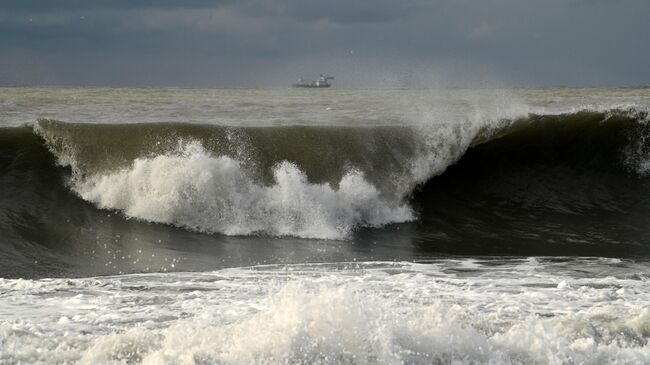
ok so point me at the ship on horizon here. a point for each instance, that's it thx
(322, 82)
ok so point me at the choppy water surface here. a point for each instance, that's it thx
(516, 311)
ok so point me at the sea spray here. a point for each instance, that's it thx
(196, 190)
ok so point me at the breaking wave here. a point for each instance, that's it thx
(316, 182)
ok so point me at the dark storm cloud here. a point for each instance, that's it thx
(266, 43)
(41, 6)
(337, 11)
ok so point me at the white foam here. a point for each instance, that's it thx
(386, 313)
(208, 193)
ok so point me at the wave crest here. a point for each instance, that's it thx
(323, 182)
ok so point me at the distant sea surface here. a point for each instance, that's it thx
(299, 226)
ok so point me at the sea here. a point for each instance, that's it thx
(312, 226)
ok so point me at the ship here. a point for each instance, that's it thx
(322, 82)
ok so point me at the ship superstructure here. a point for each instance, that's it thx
(322, 82)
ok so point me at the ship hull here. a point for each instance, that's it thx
(311, 86)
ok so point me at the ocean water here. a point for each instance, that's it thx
(218, 226)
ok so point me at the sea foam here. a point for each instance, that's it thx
(501, 312)
(194, 189)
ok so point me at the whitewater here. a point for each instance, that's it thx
(472, 311)
(218, 226)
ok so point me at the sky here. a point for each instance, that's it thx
(363, 43)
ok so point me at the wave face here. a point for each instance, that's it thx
(564, 184)
(577, 177)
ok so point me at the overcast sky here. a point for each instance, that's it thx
(363, 43)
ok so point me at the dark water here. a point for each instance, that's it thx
(155, 226)
(566, 184)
